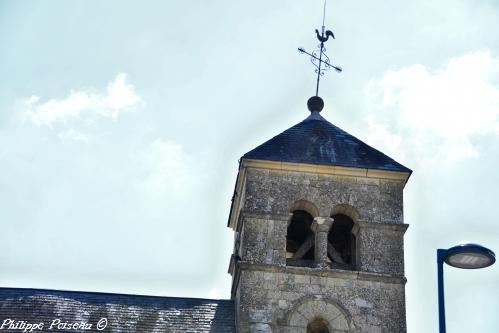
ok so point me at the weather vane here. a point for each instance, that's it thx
(318, 57)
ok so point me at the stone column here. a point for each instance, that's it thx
(321, 227)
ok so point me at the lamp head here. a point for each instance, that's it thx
(469, 256)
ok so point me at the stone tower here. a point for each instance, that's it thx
(318, 222)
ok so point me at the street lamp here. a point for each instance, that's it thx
(467, 256)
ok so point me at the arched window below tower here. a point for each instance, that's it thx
(341, 243)
(317, 325)
(300, 240)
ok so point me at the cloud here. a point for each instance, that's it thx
(439, 112)
(165, 169)
(166, 179)
(119, 96)
(72, 135)
(32, 100)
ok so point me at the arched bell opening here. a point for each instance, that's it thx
(341, 243)
(318, 325)
(300, 240)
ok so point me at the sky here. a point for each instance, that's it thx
(122, 122)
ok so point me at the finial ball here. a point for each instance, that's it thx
(315, 103)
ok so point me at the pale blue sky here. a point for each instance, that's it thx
(121, 124)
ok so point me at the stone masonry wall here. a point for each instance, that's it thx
(274, 298)
(380, 248)
(368, 304)
(274, 191)
(379, 232)
(264, 238)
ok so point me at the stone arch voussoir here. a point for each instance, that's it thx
(310, 308)
(305, 205)
(347, 210)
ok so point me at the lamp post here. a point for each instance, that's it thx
(467, 256)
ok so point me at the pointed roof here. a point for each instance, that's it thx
(316, 141)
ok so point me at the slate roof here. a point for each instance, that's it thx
(124, 313)
(316, 141)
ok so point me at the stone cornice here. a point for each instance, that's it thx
(322, 272)
(326, 169)
(400, 227)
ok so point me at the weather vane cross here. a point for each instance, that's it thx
(318, 57)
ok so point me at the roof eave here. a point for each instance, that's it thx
(327, 169)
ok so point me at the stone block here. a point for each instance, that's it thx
(260, 328)
(302, 279)
(260, 316)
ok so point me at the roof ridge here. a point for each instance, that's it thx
(58, 291)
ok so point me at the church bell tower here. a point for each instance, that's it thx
(318, 221)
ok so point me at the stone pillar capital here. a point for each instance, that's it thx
(322, 224)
